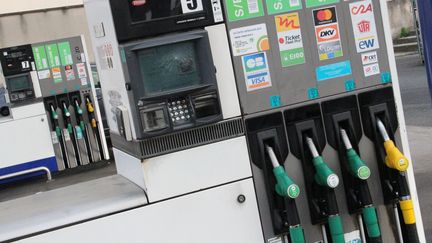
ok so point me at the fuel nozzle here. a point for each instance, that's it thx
(285, 186)
(90, 109)
(79, 111)
(324, 175)
(55, 118)
(357, 167)
(394, 159)
(67, 114)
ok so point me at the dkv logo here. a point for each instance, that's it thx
(327, 33)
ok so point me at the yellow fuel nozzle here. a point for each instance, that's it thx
(394, 159)
(90, 107)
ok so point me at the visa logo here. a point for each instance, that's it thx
(258, 80)
(366, 44)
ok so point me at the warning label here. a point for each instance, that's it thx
(290, 39)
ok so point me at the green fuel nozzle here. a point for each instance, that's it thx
(285, 186)
(296, 234)
(78, 108)
(336, 229)
(66, 110)
(324, 174)
(357, 167)
(54, 114)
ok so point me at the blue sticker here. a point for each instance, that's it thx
(313, 93)
(334, 70)
(350, 85)
(386, 78)
(275, 101)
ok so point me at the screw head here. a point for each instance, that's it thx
(241, 198)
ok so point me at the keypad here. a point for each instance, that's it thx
(179, 111)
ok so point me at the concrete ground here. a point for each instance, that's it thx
(418, 114)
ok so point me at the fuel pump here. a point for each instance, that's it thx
(286, 188)
(361, 172)
(395, 160)
(327, 180)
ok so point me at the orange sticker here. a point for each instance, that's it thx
(287, 22)
(327, 33)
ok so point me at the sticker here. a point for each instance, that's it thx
(316, 3)
(334, 70)
(290, 39)
(386, 78)
(44, 74)
(53, 55)
(40, 57)
(81, 70)
(363, 21)
(83, 58)
(83, 81)
(350, 85)
(54, 138)
(276, 240)
(244, 9)
(282, 6)
(70, 74)
(217, 11)
(190, 6)
(313, 93)
(275, 101)
(25, 64)
(372, 69)
(369, 58)
(327, 33)
(106, 54)
(66, 134)
(353, 237)
(65, 53)
(99, 30)
(56, 74)
(249, 39)
(256, 71)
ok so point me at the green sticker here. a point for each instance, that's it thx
(275, 101)
(386, 78)
(315, 3)
(40, 57)
(364, 172)
(292, 57)
(282, 6)
(350, 85)
(293, 191)
(65, 53)
(313, 93)
(244, 9)
(53, 55)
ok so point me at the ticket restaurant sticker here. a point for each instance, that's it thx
(249, 39)
(256, 71)
(363, 22)
(327, 33)
(290, 39)
(282, 6)
(244, 9)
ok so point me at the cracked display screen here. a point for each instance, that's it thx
(169, 67)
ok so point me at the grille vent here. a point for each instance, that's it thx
(192, 138)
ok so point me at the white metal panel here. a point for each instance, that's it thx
(22, 112)
(129, 167)
(401, 119)
(112, 80)
(25, 140)
(224, 71)
(196, 169)
(64, 206)
(211, 216)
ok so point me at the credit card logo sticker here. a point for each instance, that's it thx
(249, 39)
(327, 33)
(364, 26)
(290, 39)
(256, 71)
(372, 69)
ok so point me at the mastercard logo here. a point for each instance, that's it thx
(324, 15)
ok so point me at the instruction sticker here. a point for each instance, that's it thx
(81, 70)
(256, 71)
(40, 57)
(70, 74)
(56, 74)
(65, 53)
(369, 58)
(44, 74)
(290, 39)
(363, 21)
(244, 9)
(316, 3)
(282, 6)
(334, 70)
(372, 69)
(53, 55)
(217, 11)
(327, 33)
(190, 6)
(249, 39)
